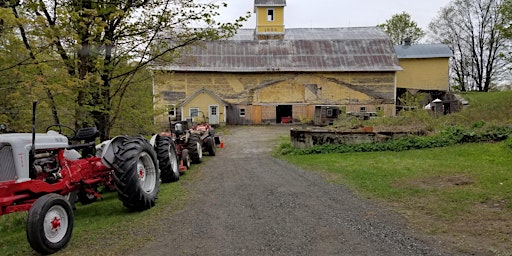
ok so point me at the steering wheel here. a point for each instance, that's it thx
(70, 133)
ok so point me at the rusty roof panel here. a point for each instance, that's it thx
(302, 50)
(269, 2)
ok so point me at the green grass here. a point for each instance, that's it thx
(461, 194)
(105, 227)
(459, 176)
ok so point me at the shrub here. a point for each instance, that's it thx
(450, 136)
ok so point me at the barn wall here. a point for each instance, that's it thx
(424, 74)
(271, 89)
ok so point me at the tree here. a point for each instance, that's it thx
(103, 44)
(471, 29)
(401, 28)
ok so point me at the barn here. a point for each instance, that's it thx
(273, 75)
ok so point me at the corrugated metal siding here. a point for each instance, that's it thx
(337, 49)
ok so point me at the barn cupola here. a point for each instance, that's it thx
(269, 19)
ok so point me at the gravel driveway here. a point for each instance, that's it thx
(248, 203)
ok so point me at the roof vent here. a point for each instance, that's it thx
(407, 41)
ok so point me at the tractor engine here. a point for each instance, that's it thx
(46, 166)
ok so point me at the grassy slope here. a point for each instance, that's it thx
(460, 194)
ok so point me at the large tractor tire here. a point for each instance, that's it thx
(49, 224)
(167, 159)
(210, 146)
(136, 174)
(195, 149)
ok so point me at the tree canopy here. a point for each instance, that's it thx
(402, 28)
(80, 57)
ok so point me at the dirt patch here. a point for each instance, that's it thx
(483, 229)
(435, 182)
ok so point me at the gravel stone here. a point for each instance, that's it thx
(248, 203)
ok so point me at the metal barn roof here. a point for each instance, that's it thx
(423, 51)
(269, 3)
(302, 50)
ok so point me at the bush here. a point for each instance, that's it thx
(450, 136)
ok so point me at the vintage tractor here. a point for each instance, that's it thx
(39, 172)
(168, 157)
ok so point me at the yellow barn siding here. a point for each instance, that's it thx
(424, 74)
(275, 89)
(265, 26)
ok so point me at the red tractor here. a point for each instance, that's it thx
(40, 172)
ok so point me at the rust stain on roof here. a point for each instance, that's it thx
(302, 50)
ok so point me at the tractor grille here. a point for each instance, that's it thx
(7, 168)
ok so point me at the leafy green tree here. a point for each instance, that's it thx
(103, 45)
(401, 28)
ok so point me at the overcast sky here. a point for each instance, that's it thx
(340, 13)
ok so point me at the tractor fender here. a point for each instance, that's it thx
(152, 141)
(107, 149)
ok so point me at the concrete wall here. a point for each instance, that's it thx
(305, 138)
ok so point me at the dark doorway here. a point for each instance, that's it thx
(284, 114)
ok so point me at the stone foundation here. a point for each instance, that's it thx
(305, 138)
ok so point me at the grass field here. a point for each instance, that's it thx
(459, 194)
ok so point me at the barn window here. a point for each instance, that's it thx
(362, 109)
(171, 110)
(270, 14)
(242, 112)
(193, 112)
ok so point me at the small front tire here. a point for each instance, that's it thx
(49, 224)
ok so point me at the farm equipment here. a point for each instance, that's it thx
(168, 158)
(39, 172)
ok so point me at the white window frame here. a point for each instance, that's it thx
(171, 107)
(191, 110)
(241, 112)
(271, 16)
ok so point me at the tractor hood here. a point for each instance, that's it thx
(43, 140)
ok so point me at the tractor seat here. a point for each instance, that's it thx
(87, 134)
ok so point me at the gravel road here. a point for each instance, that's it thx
(249, 203)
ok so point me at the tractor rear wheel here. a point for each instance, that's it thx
(167, 159)
(195, 149)
(210, 146)
(49, 223)
(136, 174)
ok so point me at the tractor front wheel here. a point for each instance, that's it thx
(185, 157)
(49, 224)
(195, 149)
(210, 146)
(136, 174)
